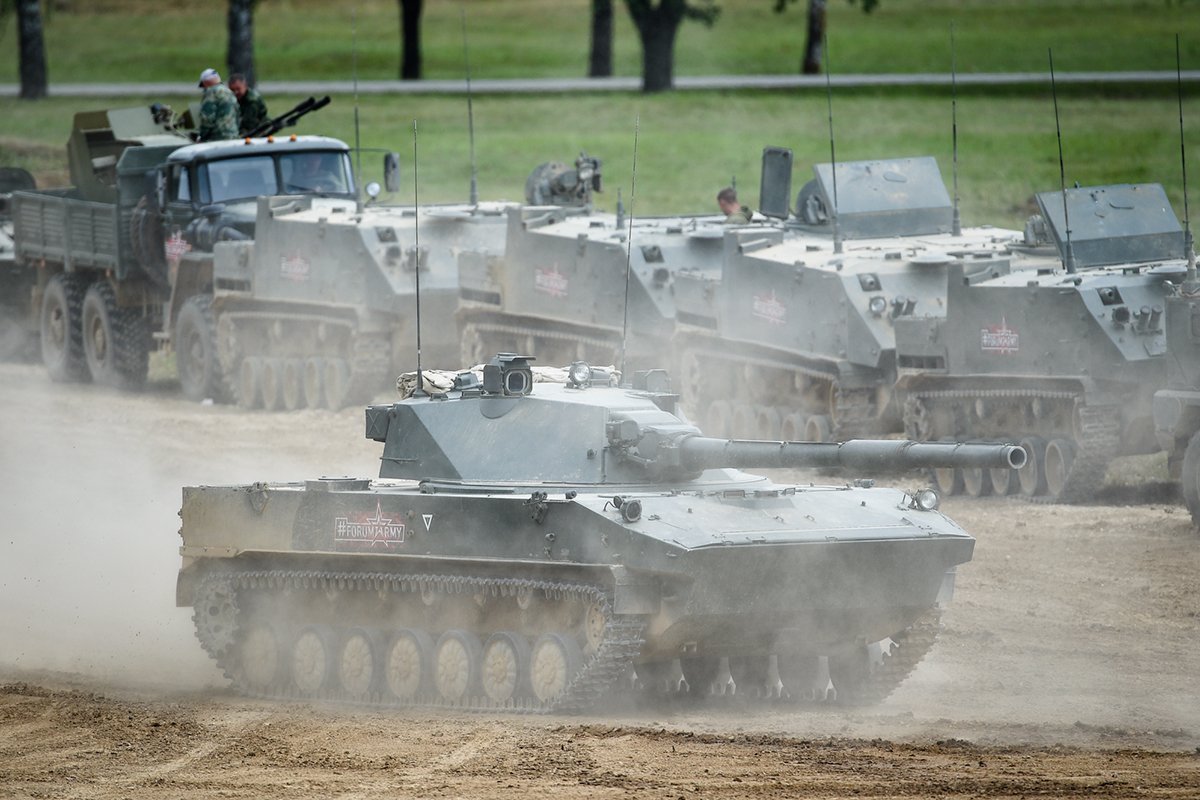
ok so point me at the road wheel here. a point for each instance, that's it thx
(504, 673)
(1191, 477)
(977, 482)
(408, 665)
(314, 382)
(358, 666)
(804, 677)
(337, 383)
(115, 341)
(272, 384)
(456, 665)
(947, 480)
(700, 674)
(818, 428)
(792, 427)
(553, 664)
(249, 386)
(750, 675)
(744, 421)
(1060, 455)
(313, 660)
(62, 329)
(768, 423)
(262, 657)
(293, 384)
(200, 375)
(1032, 476)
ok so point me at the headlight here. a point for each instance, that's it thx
(579, 374)
(877, 305)
(927, 500)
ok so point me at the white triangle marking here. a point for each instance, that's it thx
(428, 519)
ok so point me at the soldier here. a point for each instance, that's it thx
(218, 109)
(735, 213)
(251, 108)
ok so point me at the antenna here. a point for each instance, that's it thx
(354, 70)
(1188, 245)
(629, 245)
(420, 391)
(837, 239)
(473, 199)
(957, 220)
(1069, 256)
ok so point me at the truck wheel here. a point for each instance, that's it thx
(115, 341)
(200, 374)
(62, 330)
(1191, 477)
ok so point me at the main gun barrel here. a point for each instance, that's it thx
(702, 452)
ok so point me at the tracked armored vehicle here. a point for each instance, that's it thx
(798, 322)
(1177, 407)
(533, 546)
(1064, 357)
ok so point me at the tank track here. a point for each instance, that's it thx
(856, 411)
(908, 649)
(1098, 441)
(476, 332)
(218, 611)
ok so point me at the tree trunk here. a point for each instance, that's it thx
(410, 39)
(33, 50)
(657, 28)
(814, 44)
(240, 57)
(600, 60)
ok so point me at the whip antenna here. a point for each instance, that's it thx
(1188, 245)
(837, 239)
(957, 223)
(420, 392)
(473, 199)
(629, 245)
(1069, 256)
(354, 70)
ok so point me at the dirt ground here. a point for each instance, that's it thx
(1068, 666)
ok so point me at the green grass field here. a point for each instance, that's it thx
(690, 144)
(172, 40)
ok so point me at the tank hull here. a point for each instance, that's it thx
(733, 568)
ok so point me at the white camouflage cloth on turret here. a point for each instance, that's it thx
(440, 381)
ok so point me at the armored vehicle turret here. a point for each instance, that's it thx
(1064, 356)
(530, 545)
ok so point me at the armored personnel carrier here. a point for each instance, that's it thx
(530, 544)
(798, 322)
(1064, 357)
(17, 325)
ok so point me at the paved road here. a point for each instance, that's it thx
(623, 84)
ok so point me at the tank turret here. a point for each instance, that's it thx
(634, 436)
(542, 535)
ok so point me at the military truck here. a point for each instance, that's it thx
(790, 334)
(123, 258)
(16, 320)
(1064, 357)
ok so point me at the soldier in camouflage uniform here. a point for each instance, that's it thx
(218, 109)
(735, 213)
(251, 108)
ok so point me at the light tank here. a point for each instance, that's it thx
(1063, 356)
(532, 546)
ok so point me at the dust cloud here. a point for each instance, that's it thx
(90, 485)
